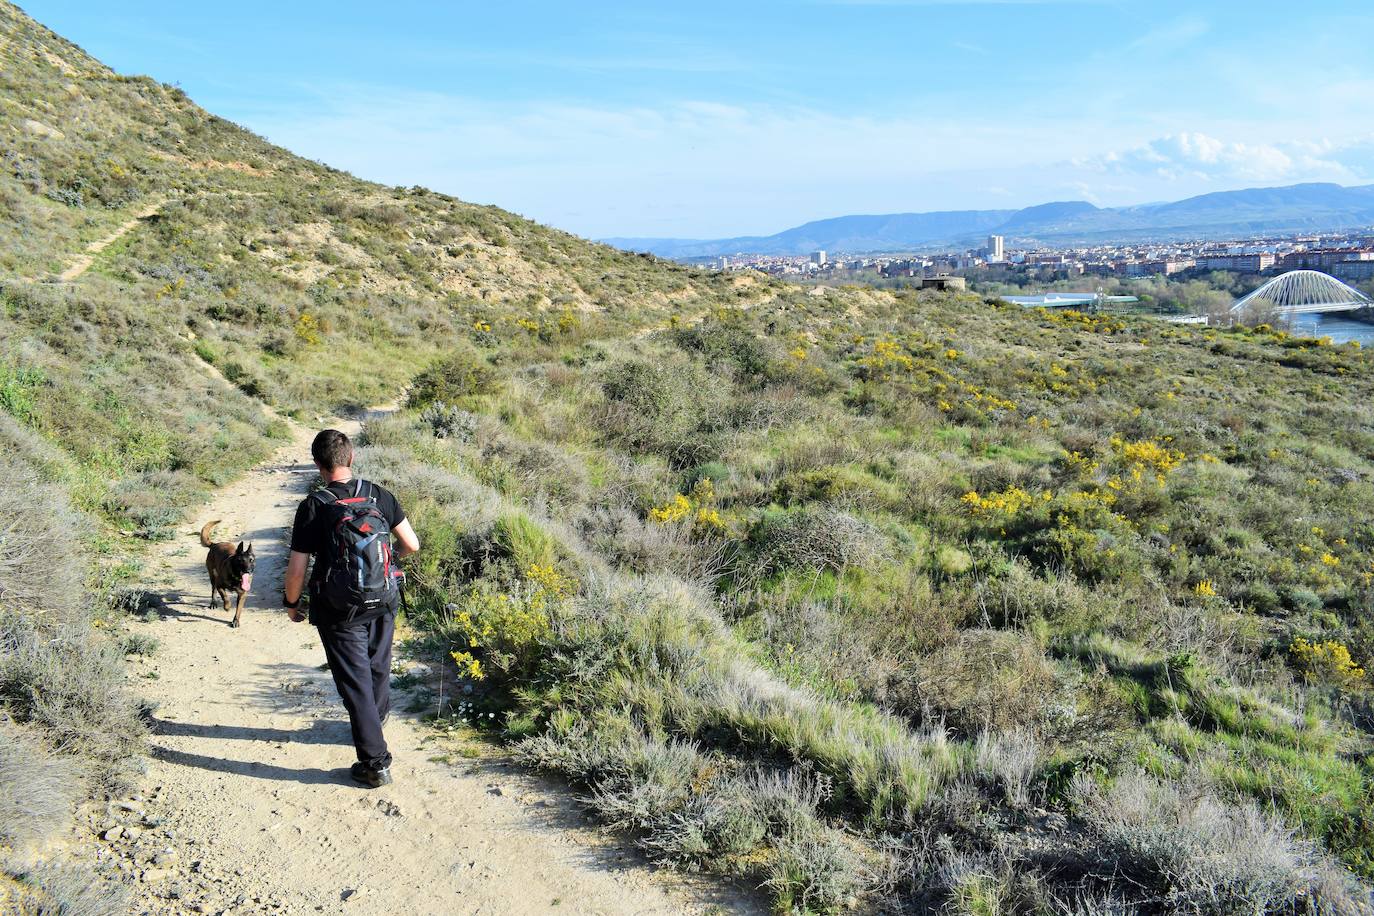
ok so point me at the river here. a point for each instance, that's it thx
(1339, 329)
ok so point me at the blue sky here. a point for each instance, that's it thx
(711, 119)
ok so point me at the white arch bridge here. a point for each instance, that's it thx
(1301, 292)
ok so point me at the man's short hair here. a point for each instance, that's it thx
(331, 449)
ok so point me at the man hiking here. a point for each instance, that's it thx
(354, 590)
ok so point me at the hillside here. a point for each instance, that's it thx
(250, 258)
(1296, 208)
(914, 603)
(163, 274)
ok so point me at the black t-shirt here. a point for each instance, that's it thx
(308, 534)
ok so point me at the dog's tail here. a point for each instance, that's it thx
(205, 533)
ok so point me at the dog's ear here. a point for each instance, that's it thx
(240, 550)
(250, 550)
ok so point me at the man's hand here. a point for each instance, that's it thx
(294, 582)
(409, 542)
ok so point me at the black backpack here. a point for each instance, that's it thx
(362, 580)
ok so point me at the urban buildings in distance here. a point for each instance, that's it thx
(1346, 256)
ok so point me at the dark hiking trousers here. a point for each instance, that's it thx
(359, 657)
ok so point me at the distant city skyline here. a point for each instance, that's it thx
(712, 119)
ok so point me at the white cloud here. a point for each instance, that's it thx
(1198, 156)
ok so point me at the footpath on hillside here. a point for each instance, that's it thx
(82, 262)
(247, 806)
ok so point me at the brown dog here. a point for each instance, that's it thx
(230, 569)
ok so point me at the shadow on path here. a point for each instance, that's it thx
(310, 776)
(182, 605)
(318, 733)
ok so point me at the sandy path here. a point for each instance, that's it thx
(82, 262)
(248, 808)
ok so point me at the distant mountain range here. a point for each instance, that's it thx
(1296, 208)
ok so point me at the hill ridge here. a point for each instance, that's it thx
(1306, 206)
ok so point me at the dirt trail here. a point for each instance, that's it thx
(82, 262)
(248, 808)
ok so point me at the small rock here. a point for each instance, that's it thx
(153, 875)
(39, 129)
(352, 893)
(112, 834)
(389, 808)
(498, 789)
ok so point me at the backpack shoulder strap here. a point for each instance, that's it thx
(325, 497)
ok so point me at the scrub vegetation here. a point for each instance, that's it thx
(1022, 611)
(876, 600)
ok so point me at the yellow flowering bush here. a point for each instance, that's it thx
(1147, 454)
(568, 321)
(504, 631)
(697, 506)
(308, 329)
(1006, 503)
(886, 358)
(1082, 466)
(675, 510)
(1078, 528)
(469, 664)
(1326, 662)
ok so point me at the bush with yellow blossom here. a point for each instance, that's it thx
(503, 632)
(1327, 662)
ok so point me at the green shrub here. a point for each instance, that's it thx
(139, 644)
(40, 565)
(524, 542)
(816, 871)
(69, 683)
(461, 374)
(984, 679)
(819, 538)
(57, 673)
(673, 411)
(37, 788)
(1199, 853)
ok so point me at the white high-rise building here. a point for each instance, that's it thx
(818, 258)
(994, 249)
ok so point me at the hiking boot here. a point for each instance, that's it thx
(367, 777)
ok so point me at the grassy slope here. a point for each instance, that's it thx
(754, 674)
(306, 287)
(998, 553)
